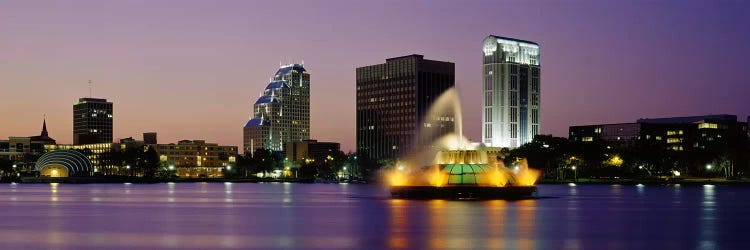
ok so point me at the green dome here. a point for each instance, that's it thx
(464, 174)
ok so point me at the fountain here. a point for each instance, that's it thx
(451, 167)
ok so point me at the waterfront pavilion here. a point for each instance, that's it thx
(64, 163)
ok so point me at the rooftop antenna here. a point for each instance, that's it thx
(90, 95)
(303, 62)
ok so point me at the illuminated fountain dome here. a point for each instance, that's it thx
(467, 174)
(64, 163)
(464, 167)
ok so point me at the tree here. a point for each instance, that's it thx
(263, 161)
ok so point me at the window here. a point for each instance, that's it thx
(708, 125)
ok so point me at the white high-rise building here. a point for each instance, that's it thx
(511, 100)
(282, 112)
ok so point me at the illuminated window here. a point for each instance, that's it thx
(588, 138)
(708, 125)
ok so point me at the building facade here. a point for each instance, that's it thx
(92, 121)
(282, 112)
(691, 133)
(620, 134)
(393, 100)
(196, 158)
(300, 151)
(511, 100)
(23, 150)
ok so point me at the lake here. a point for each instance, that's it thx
(352, 216)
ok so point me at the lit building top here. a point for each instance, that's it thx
(266, 99)
(277, 84)
(514, 50)
(286, 69)
(257, 121)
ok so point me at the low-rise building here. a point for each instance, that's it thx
(691, 133)
(300, 151)
(24, 150)
(196, 158)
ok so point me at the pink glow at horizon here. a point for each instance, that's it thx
(192, 69)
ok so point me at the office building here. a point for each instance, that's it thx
(511, 92)
(282, 112)
(149, 138)
(691, 133)
(393, 100)
(16, 148)
(620, 134)
(196, 158)
(92, 121)
(310, 150)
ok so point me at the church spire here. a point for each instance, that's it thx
(44, 126)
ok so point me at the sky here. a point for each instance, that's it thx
(193, 69)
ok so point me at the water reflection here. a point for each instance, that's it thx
(319, 216)
(527, 224)
(53, 192)
(437, 223)
(708, 219)
(397, 234)
(496, 211)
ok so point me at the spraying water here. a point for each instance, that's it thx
(451, 159)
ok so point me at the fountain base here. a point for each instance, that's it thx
(463, 192)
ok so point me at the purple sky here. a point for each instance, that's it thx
(192, 69)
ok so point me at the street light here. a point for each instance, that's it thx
(127, 167)
(575, 174)
(14, 166)
(229, 167)
(708, 166)
(171, 167)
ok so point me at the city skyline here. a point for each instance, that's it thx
(170, 70)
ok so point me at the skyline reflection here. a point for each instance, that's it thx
(300, 216)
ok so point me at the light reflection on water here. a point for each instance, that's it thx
(332, 216)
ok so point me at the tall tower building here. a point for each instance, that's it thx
(510, 91)
(92, 121)
(393, 100)
(282, 112)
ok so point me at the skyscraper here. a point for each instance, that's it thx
(392, 101)
(92, 121)
(282, 112)
(511, 100)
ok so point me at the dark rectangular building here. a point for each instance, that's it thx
(149, 138)
(620, 134)
(92, 121)
(299, 151)
(690, 133)
(393, 100)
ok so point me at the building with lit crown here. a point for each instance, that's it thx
(92, 121)
(282, 112)
(511, 92)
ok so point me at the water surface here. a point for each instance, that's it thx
(347, 216)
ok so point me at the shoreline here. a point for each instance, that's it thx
(582, 181)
